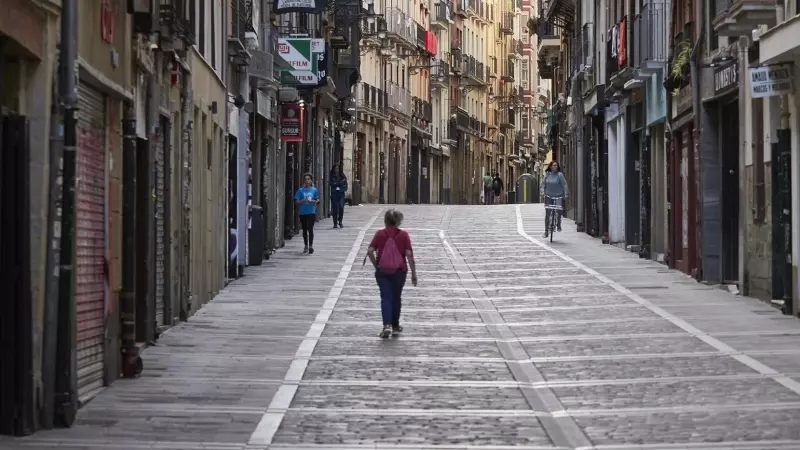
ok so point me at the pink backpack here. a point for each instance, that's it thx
(389, 259)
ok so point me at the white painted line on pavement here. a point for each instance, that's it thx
(749, 361)
(271, 420)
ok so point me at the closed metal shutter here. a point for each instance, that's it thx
(90, 287)
(160, 222)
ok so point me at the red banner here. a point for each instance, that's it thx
(431, 43)
(621, 56)
(292, 122)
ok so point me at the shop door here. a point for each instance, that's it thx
(730, 193)
(632, 189)
(425, 180)
(414, 177)
(675, 196)
(160, 221)
(90, 243)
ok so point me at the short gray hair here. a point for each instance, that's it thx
(393, 218)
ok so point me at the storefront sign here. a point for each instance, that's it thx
(683, 101)
(292, 122)
(725, 77)
(770, 81)
(301, 6)
(303, 61)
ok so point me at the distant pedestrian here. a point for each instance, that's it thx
(394, 258)
(338, 190)
(497, 185)
(307, 198)
(487, 189)
(554, 190)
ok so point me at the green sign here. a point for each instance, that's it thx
(304, 61)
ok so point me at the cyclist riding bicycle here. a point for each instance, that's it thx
(553, 189)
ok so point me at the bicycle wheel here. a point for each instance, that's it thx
(553, 223)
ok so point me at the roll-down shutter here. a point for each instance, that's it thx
(160, 222)
(90, 287)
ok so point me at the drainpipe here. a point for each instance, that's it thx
(50, 334)
(241, 172)
(744, 104)
(66, 383)
(186, 184)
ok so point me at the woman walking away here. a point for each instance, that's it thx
(307, 199)
(395, 257)
(338, 189)
(554, 189)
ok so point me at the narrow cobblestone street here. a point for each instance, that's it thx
(509, 342)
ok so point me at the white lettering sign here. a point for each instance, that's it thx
(770, 81)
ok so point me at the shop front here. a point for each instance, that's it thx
(681, 191)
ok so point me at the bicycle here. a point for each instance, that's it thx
(553, 207)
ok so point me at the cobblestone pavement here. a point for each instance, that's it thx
(509, 342)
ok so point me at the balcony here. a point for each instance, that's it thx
(176, 23)
(461, 8)
(506, 119)
(508, 72)
(474, 69)
(549, 39)
(241, 23)
(440, 73)
(546, 68)
(618, 52)
(443, 16)
(399, 99)
(472, 8)
(507, 23)
(462, 119)
(650, 34)
(542, 145)
(516, 48)
(456, 61)
(399, 29)
(482, 12)
(420, 33)
(518, 4)
(741, 17)
(372, 101)
(559, 12)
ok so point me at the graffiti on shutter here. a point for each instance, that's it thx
(160, 222)
(90, 244)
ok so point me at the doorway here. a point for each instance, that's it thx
(729, 151)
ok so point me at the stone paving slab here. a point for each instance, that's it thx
(420, 430)
(398, 370)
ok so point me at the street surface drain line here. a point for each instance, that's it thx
(272, 418)
(562, 429)
(748, 361)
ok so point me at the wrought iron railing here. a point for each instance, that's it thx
(456, 61)
(721, 7)
(399, 99)
(398, 23)
(546, 30)
(462, 6)
(241, 18)
(650, 33)
(372, 98)
(472, 6)
(462, 118)
(508, 70)
(443, 11)
(420, 35)
(507, 22)
(440, 69)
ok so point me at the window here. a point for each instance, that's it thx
(202, 20)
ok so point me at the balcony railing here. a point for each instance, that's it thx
(456, 61)
(519, 4)
(238, 19)
(650, 35)
(372, 98)
(399, 99)
(443, 12)
(546, 30)
(508, 71)
(721, 7)
(397, 23)
(462, 118)
(506, 118)
(516, 47)
(474, 68)
(507, 23)
(420, 35)
(462, 8)
(440, 72)
(472, 7)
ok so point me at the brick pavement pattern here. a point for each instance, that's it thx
(509, 342)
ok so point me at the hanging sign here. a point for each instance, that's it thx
(770, 81)
(304, 61)
(292, 122)
(301, 6)
(725, 77)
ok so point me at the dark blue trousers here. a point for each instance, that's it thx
(337, 208)
(391, 287)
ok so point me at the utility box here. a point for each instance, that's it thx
(527, 189)
(355, 193)
(256, 236)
